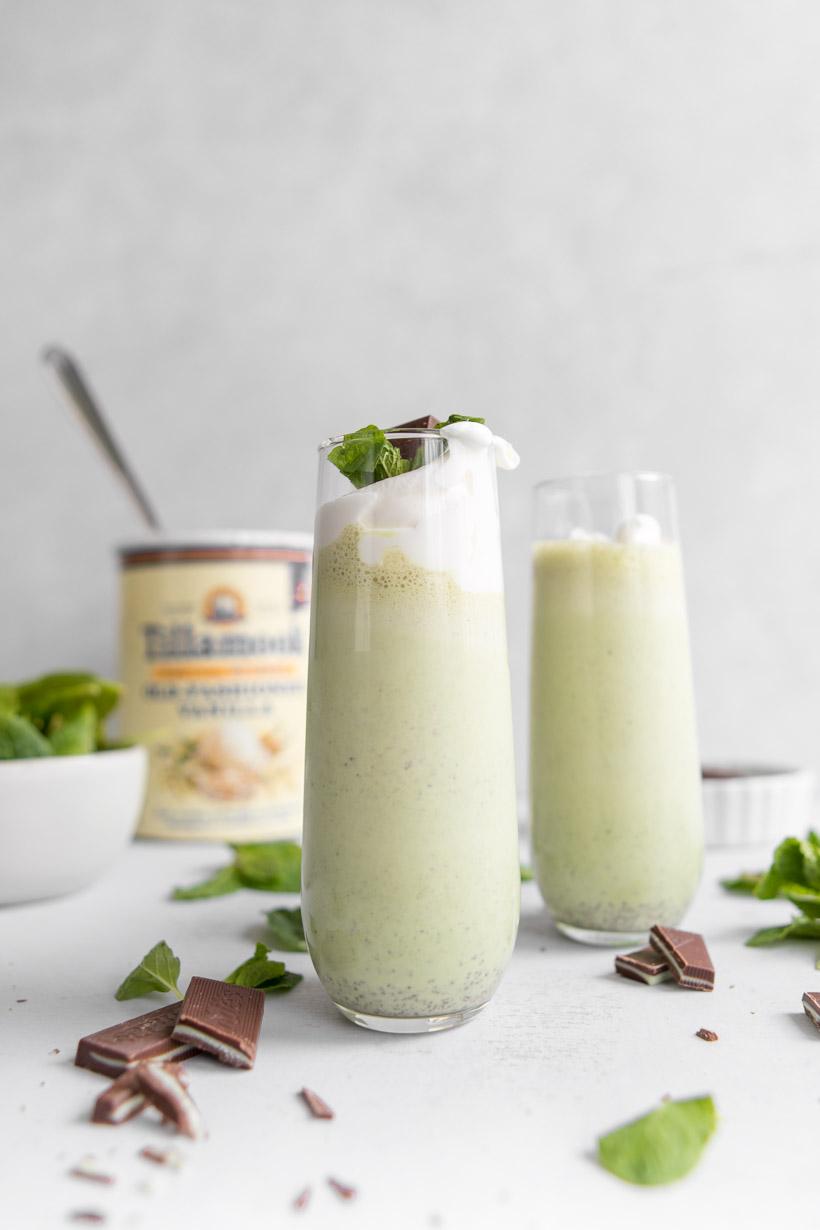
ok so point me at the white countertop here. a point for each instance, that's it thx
(490, 1125)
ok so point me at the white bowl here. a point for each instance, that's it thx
(747, 805)
(64, 819)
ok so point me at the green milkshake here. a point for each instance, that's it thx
(410, 870)
(615, 783)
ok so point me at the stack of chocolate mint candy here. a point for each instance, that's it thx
(145, 1053)
(681, 955)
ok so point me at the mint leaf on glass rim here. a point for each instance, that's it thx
(357, 455)
(287, 930)
(157, 971)
(260, 972)
(663, 1145)
(461, 418)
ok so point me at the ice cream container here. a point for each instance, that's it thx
(214, 634)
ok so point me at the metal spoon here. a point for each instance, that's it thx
(74, 386)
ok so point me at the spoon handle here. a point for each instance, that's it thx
(75, 387)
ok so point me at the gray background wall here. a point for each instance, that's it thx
(259, 222)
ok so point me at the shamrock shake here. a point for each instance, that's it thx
(410, 871)
(615, 782)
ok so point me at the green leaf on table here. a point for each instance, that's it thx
(266, 866)
(746, 883)
(260, 972)
(157, 971)
(526, 874)
(661, 1146)
(287, 930)
(19, 740)
(73, 732)
(222, 882)
(269, 866)
(800, 928)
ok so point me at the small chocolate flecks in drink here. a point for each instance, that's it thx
(317, 1106)
(302, 1200)
(342, 1190)
(708, 1035)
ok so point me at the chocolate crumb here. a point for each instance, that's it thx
(317, 1106)
(708, 1035)
(342, 1190)
(302, 1200)
(162, 1157)
(56, 1051)
(87, 1215)
(21, 1001)
(87, 1170)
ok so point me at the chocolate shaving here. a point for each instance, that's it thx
(317, 1106)
(22, 1001)
(87, 1215)
(87, 1170)
(302, 1200)
(342, 1190)
(56, 1051)
(708, 1035)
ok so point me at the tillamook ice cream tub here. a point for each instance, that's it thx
(214, 639)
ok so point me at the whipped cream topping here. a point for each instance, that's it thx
(443, 516)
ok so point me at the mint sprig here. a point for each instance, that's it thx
(367, 456)
(260, 972)
(794, 875)
(287, 930)
(663, 1145)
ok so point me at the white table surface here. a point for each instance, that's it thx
(490, 1125)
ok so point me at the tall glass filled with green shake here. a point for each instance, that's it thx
(617, 830)
(410, 885)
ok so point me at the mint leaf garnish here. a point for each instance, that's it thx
(224, 881)
(461, 418)
(260, 972)
(157, 971)
(287, 930)
(795, 862)
(267, 866)
(661, 1146)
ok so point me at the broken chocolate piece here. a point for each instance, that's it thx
(121, 1101)
(222, 1019)
(317, 1106)
(118, 1047)
(687, 955)
(645, 965)
(708, 1035)
(89, 1216)
(408, 448)
(162, 1157)
(301, 1201)
(164, 1086)
(88, 1169)
(811, 1006)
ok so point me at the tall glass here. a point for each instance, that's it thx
(617, 830)
(410, 885)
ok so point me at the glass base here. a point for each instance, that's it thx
(410, 1024)
(604, 939)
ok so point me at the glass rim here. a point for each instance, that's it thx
(648, 476)
(417, 433)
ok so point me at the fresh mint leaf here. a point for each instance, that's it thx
(526, 874)
(806, 899)
(800, 928)
(663, 1145)
(390, 462)
(460, 418)
(746, 883)
(260, 972)
(9, 699)
(224, 881)
(19, 740)
(287, 930)
(795, 862)
(358, 454)
(269, 866)
(157, 971)
(73, 733)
